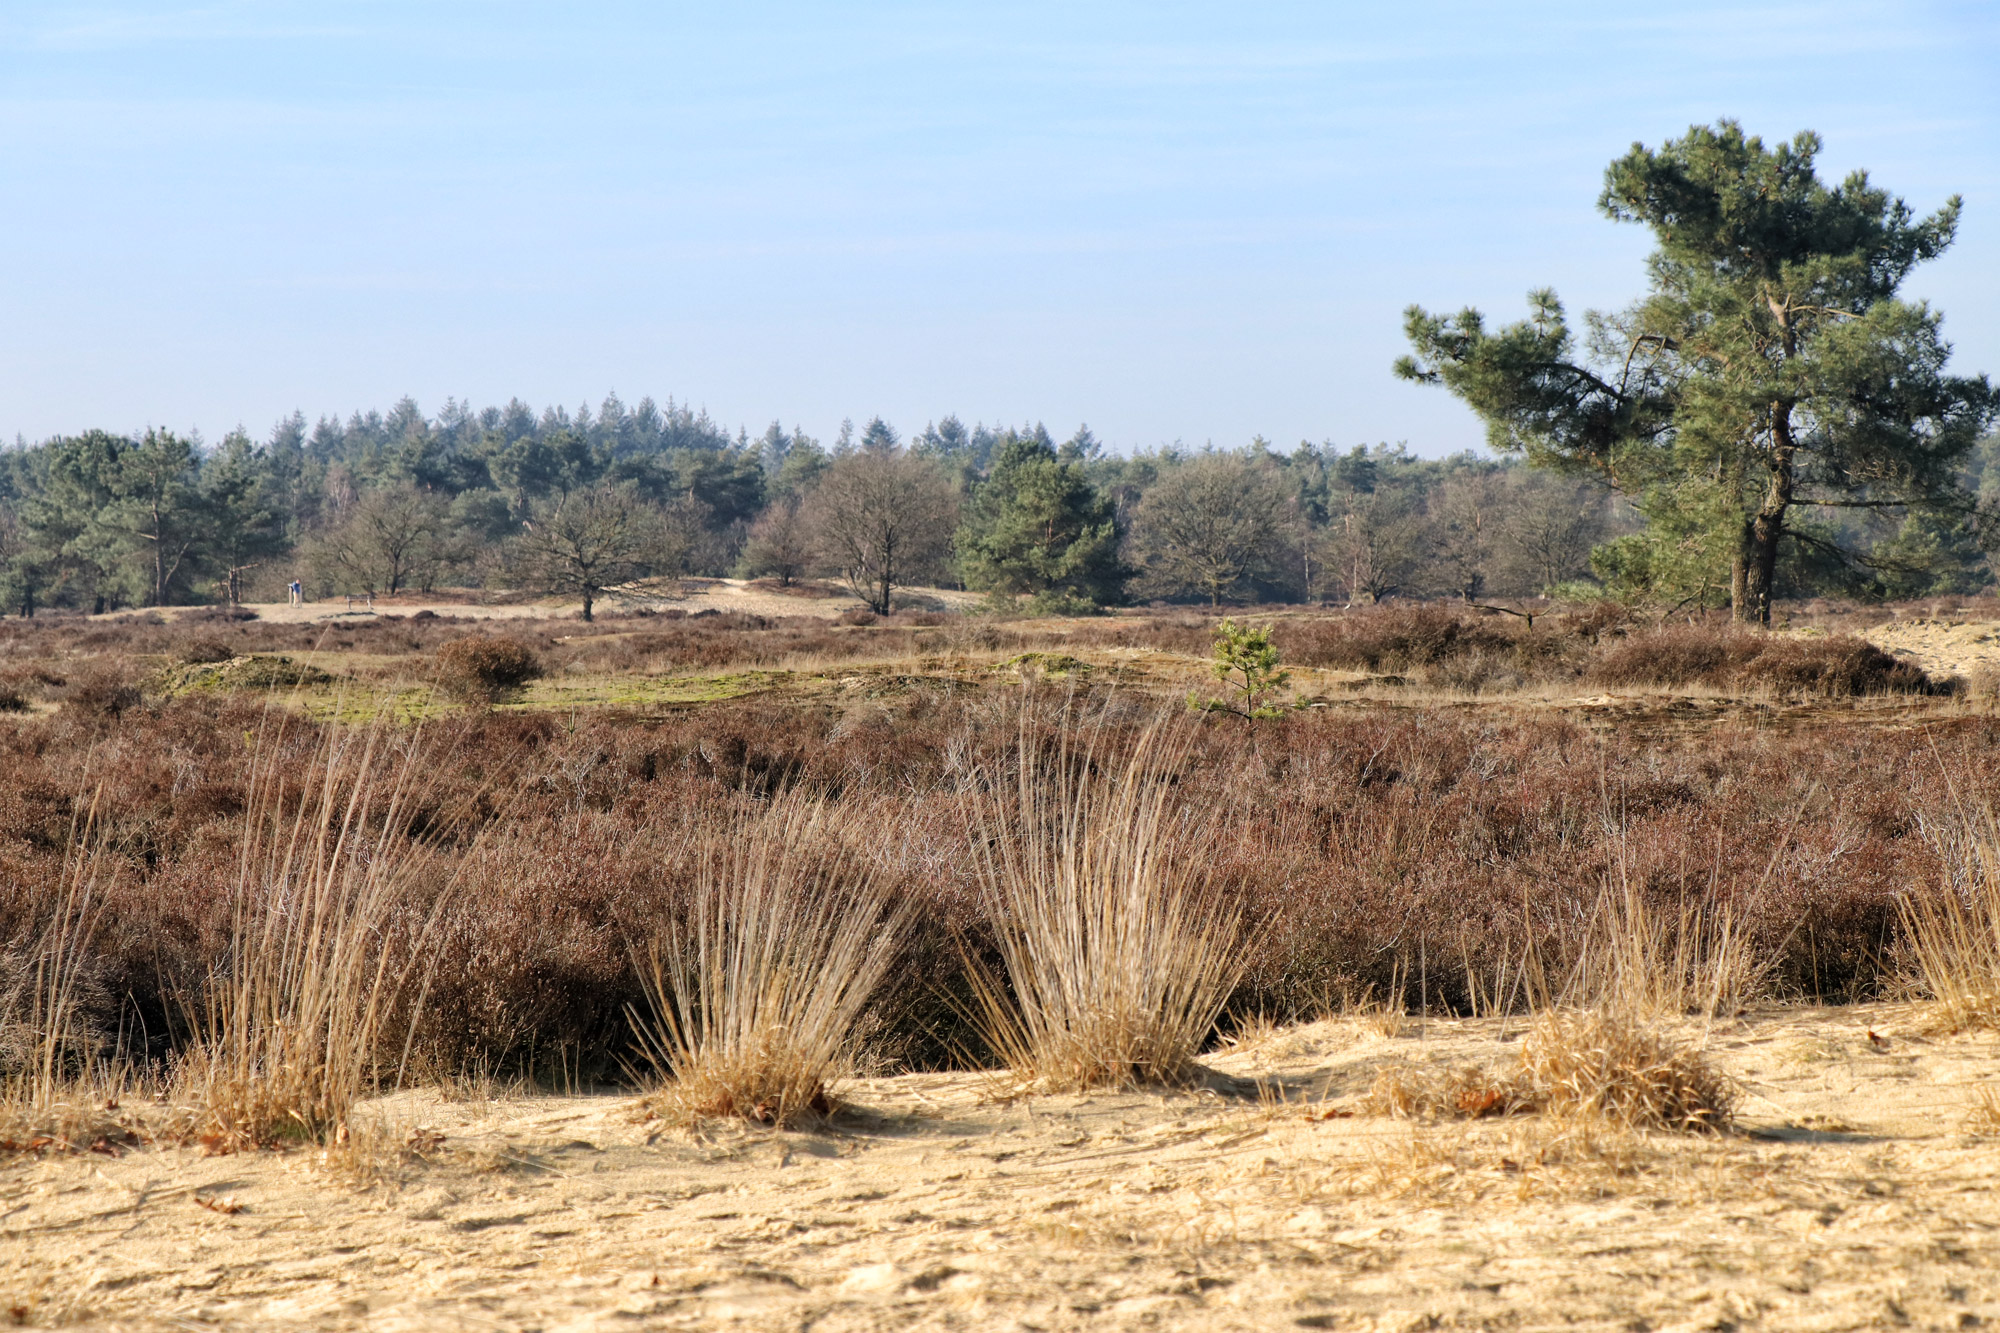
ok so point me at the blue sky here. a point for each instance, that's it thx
(1193, 222)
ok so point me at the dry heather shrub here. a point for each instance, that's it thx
(484, 667)
(100, 692)
(1395, 638)
(754, 1001)
(1954, 933)
(1735, 658)
(1118, 957)
(1839, 666)
(293, 1028)
(204, 651)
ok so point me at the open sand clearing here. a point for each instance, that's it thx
(689, 595)
(1942, 646)
(1855, 1197)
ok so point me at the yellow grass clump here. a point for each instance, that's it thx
(1611, 1042)
(755, 1000)
(1954, 933)
(57, 1092)
(294, 1027)
(1116, 957)
(1597, 1065)
(1606, 1065)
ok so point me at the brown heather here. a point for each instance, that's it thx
(1417, 853)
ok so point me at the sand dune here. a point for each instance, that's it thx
(1854, 1199)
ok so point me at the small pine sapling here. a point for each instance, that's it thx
(1246, 662)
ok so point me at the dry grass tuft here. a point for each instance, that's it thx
(295, 1023)
(1983, 1116)
(1610, 1045)
(1563, 1159)
(1603, 1065)
(1465, 1093)
(1596, 1066)
(1635, 959)
(58, 1092)
(1954, 934)
(1117, 957)
(754, 1001)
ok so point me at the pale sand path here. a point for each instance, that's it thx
(933, 1207)
(691, 595)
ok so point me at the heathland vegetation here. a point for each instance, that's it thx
(1476, 752)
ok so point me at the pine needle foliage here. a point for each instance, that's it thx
(1246, 662)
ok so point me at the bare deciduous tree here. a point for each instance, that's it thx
(1374, 544)
(585, 541)
(1551, 523)
(882, 517)
(1208, 525)
(390, 539)
(1465, 524)
(779, 543)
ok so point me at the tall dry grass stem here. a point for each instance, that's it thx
(1117, 957)
(1954, 933)
(1619, 1035)
(54, 1079)
(755, 1000)
(326, 941)
(1633, 958)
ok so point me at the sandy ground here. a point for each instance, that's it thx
(1943, 647)
(1853, 1197)
(690, 595)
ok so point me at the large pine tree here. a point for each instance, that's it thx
(1771, 367)
(1036, 525)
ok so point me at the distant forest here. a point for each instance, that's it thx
(581, 502)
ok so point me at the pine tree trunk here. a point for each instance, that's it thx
(1766, 531)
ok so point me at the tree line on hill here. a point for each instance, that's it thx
(1770, 419)
(580, 503)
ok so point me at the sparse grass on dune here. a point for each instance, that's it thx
(1621, 1041)
(1118, 957)
(755, 999)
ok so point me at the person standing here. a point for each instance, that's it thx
(298, 594)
